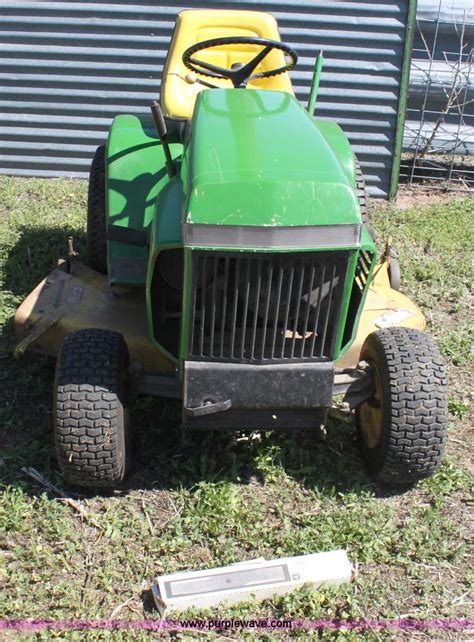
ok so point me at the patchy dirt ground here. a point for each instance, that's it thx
(423, 197)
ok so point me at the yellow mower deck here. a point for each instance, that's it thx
(65, 302)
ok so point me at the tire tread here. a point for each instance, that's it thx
(362, 196)
(96, 214)
(89, 407)
(415, 395)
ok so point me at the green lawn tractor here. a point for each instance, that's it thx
(232, 266)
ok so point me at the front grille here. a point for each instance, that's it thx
(254, 308)
(359, 286)
(362, 270)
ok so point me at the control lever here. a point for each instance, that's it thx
(162, 132)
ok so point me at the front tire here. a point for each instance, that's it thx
(402, 427)
(90, 411)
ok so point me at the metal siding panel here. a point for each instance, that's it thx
(66, 68)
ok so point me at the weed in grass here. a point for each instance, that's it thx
(457, 408)
(457, 343)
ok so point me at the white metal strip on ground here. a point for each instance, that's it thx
(256, 579)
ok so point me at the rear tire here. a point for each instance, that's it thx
(362, 196)
(96, 214)
(394, 272)
(402, 428)
(91, 415)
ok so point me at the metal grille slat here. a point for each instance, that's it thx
(234, 312)
(328, 310)
(298, 305)
(318, 310)
(256, 306)
(213, 306)
(277, 307)
(287, 310)
(203, 306)
(246, 306)
(224, 305)
(267, 306)
(364, 263)
(193, 315)
(308, 308)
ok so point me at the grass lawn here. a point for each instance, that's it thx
(204, 500)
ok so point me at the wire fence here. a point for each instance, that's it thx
(438, 145)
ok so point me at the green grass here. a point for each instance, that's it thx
(203, 500)
(435, 246)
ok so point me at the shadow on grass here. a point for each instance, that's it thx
(26, 384)
(35, 254)
(166, 458)
(163, 457)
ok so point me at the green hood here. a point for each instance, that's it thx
(257, 158)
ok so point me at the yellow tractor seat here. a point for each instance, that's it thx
(180, 86)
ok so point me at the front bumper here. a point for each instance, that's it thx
(223, 394)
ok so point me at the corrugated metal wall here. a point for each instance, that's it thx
(66, 68)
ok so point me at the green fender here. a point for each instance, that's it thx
(136, 174)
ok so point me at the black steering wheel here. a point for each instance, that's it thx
(241, 74)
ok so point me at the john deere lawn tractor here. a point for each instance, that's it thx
(232, 267)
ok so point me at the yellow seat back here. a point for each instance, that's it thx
(177, 94)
